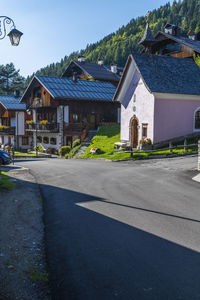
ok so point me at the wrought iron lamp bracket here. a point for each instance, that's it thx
(4, 22)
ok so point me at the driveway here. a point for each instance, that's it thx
(121, 230)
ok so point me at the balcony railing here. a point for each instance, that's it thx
(49, 127)
(7, 130)
(74, 128)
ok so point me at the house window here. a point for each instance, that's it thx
(39, 139)
(25, 140)
(75, 118)
(118, 115)
(45, 140)
(197, 119)
(134, 98)
(53, 141)
(144, 130)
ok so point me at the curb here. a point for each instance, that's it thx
(196, 178)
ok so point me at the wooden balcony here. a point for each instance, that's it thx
(74, 128)
(7, 130)
(49, 127)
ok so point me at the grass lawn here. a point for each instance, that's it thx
(108, 135)
(27, 154)
(5, 182)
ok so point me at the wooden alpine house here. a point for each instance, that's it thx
(66, 109)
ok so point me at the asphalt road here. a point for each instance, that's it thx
(128, 230)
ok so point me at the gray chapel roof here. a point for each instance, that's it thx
(165, 74)
(147, 37)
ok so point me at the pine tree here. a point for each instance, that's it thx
(10, 79)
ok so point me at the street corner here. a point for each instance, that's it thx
(196, 177)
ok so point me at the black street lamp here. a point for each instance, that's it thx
(29, 112)
(14, 34)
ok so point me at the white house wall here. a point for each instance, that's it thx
(20, 130)
(66, 114)
(142, 109)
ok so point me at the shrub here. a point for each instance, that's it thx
(50, 150)
(40, 148)
(64, 150)
(29, 150)
(145, 141)
(76, 143)
(68, 155)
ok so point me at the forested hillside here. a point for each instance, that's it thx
(116, 47)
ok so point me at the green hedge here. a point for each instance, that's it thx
(64, 150)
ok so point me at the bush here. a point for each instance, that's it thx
(52, 151)
(145, 141)
(29, 150)
(40, 148)
(68, 155)
(64, 150)
(76, 143)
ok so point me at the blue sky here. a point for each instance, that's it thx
(53, 29)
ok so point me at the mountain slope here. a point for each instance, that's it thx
(116, 47)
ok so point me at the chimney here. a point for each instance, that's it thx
(191, 35)
(100, 61)
(17, 93)
(74, 77)
(81, 59)
(113, 68)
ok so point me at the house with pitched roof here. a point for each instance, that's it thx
(160, 98)
(170, 42)
(12, 122)
(159, 90)
(93, 71)
(66, 109)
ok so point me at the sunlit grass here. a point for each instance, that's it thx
(107, 136)
(5, 182)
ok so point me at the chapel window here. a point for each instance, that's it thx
(144, 130)
(197, 120)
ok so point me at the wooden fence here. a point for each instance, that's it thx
(185, 146)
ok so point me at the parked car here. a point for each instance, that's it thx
(5, 158)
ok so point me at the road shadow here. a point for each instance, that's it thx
(94, 257)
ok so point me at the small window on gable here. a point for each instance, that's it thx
(144, 130)
(197, 119)
(134, 98)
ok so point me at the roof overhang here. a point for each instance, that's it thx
(29, 87)
(169, 96)
(175, 39)
(121, 82)
(77, 65)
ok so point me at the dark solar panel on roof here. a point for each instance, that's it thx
(82, 89)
